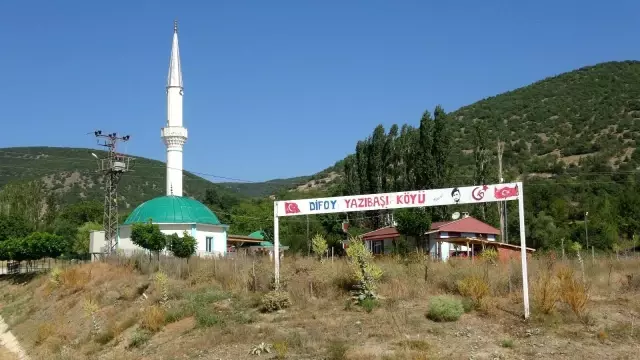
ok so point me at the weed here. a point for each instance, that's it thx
(602, 335)
(162, 282)
(573, 292)
(445, 308)
(415, 345)
(262, 348)
(153, 318)
(104, 337)
(475, 288)
(280, 349)
(139, 338)
(205, 318)
(545, 293)
(275, 300)
(468, 304)
(337, 350)
(507, 343)
(90, 309)
(368, 304)
(44, 331)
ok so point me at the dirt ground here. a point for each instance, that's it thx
(103, 311)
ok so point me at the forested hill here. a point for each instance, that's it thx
(590, 115)
(71, 174)
(572, 138)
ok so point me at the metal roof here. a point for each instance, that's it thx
(173, 210)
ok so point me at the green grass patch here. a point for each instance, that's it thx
(445, 308)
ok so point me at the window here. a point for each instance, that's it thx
(378, 247)
(209, 243)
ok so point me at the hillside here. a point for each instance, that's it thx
(592, 111)
(212, 309)
(71, 173)
(553, 125)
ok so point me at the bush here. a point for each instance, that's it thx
(153, 318)
(573, 291)
(275, 300)
(445, 308)
(545, 293)
(475, 288)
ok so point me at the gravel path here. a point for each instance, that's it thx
(9, 343)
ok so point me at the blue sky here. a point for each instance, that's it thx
(281, 88)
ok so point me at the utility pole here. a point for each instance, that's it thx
(586, 227)
(112, 166)
(501, 204)
(308, 240)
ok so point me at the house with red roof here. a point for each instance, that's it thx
(463, 237)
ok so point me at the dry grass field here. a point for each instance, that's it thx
(210, 309)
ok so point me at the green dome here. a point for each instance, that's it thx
(257, 235)
(173, 210)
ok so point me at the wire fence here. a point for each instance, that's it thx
(34, 266)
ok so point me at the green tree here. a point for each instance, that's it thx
(183, 247)
(82, 237)
(414, 222)
(319, 245)
(481, 156)
(148, 236)
(13, 226)
(24, 200)
(425, 159)
(441, 147)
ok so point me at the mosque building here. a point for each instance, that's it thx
(175, 213)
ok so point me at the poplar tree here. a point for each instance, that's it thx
(481, 158)
(425, 160)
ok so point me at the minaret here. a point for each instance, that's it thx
(174, 135)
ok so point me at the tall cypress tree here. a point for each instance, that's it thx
(425, 160)
(390, 160)
(377, 168)
(481, 158)
(361, 166)
(441, 147)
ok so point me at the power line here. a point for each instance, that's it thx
(210, 175)
(159, 166)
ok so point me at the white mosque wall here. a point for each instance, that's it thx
(217, 236)
(202, 234)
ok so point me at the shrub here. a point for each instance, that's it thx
(337, 350)
(319, 245)
(365, 273)
(139, 338)
(545, 293)
(281, 349)
(573, 292)
(275, 300)
(205, 318)
(153, 318)
(475, 288)
(445, 308)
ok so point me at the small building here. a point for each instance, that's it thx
(253, 244)
(466, 236)
(175, 215)
(467, 227)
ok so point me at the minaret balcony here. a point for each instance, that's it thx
(174, 131)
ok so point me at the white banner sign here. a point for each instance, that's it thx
(398, 200)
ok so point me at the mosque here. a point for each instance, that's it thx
(174, 213)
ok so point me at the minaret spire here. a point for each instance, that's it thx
(175, 71)
(174, 134)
